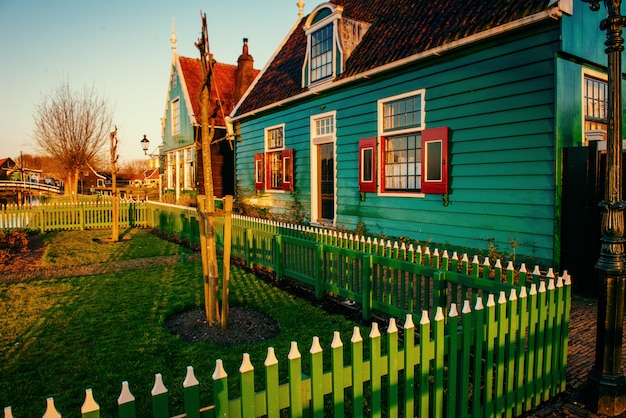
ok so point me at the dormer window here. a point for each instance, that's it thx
(331, 39)
(323, 57)
(322, 53)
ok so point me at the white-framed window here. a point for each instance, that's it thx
(412, 160)
(273, 169)
(595, 99)
(323, 127)
(175, 116)
(322, 53)
(402, 122)
(323, 59)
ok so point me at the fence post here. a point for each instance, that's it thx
(278, 256)
(366, 286)
(440, 289)
(248, 233)
(319, 274)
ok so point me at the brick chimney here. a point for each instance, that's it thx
(245, 71)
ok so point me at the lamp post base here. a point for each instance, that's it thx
(607, 393)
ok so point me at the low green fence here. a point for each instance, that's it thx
(491, 341)
(68, 216)
(499, 359)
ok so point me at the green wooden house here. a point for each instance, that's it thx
(443, 121)
(181, 133)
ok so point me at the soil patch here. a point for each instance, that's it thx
(245, 326)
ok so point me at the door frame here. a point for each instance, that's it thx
(314, 164)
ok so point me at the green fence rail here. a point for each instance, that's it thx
(503, 354)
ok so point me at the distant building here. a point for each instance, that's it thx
(7, 169)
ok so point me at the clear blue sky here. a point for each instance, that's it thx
(122, 48)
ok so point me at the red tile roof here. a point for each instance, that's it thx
(222, 86)
(399, 29)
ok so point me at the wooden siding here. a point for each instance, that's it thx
(186, 135)
(497, 99)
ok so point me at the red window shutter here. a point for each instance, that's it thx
(288, 161)
(259, 171)
(367, 165)
(435, 160)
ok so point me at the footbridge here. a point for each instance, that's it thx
(27, 186)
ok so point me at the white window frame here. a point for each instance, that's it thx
(318, 139)
(269, 151)
(175, 115)
(383, 134)
(336, 52)
(587, 72)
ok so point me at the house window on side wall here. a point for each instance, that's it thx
(273, 170)
(413, 160)
(596, 103)
(175, 116)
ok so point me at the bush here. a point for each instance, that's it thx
(12, 242)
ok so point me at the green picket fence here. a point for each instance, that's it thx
(491, 359)
(499, 359)
(68, 216)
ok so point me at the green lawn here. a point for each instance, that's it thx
(59, 337)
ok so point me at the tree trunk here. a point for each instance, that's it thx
(211, 276)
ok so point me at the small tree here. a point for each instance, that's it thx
(72, 126)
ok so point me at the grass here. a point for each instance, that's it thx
(60, 337)
(71, 248)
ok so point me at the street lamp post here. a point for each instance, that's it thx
(606, 379)
(145, 144)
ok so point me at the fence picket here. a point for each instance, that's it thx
(160, 404)
(90, 408)
(425, 355)
(393, 368)
(375, 371)
(409, 366)
(492, 335)
(479, 318)
(453, 376)
(191, 394)
(337, 375)
(126, 402)
(246, 383)
(295, 381)
(51, 411)
(272, 391)
(220, 390)
(317, 378)
(357, 372)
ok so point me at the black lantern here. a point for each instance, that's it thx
(145, 142)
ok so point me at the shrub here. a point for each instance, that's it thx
(12, 242)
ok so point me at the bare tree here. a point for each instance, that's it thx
(72, 126)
